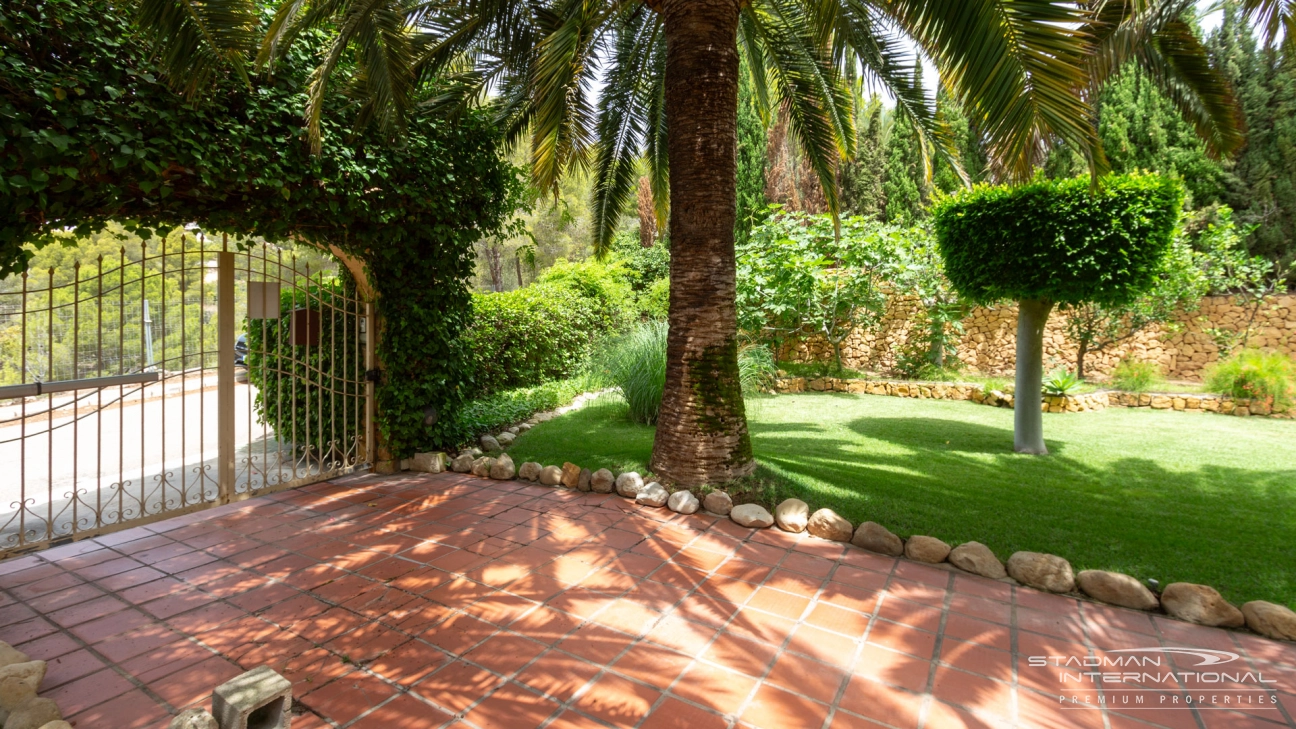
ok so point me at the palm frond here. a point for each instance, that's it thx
(196, 39)
(1274, 17)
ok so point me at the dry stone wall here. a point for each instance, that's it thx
(989, 339)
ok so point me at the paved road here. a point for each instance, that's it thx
(130, 459)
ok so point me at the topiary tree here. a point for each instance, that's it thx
(1055, 242)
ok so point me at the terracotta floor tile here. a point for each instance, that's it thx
(652, 664)
(775, 708)
(683, 635)
(617, 701)
(628, 617)
(704, 609)
(187, 685)
(403, 712)
(903, 638)
(865, 579)
(110, 625)
(165, 659)
(891, 706)
(457, 685)
(76, 696)
(973, 691)
(345, 698)
(134, 710)
(716, 688)
(546, 625)
(838, 620)
(505, 653)
(973, 630)
(740, 654)
(367, 642)
(675, 714)
(909, 613)
(779, 603)
(822, 645)
(511, 707)
(558, 675)
(459, 633)
(977, 659)
(806, 676)
(892, 667)
(328, 625)
(68, 667)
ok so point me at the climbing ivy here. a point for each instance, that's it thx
(91, 134)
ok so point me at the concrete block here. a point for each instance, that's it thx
(258, 699)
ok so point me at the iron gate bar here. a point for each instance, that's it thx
(90, 383)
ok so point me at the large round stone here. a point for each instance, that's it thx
(10, 655)
(33, 713)
(583, 483)
(926, 549)
(718, 502)
(751, 515)
(530, 471)
(506, 439)
(683, 502)
(1046, 572)
(502, 469)
(602, 481)
(876, 538)
(571, 475)
(1270, 620)
(977, 558)
(827, 524)
(462, 463)
(792, 515)
(482, 466)
(193, 719)
(1200, 604)
(629, 484)
(490, 444)
(1116, 589)
(550, 476)
(19, 682)
(653, 494)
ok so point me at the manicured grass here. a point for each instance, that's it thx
(1173, 496)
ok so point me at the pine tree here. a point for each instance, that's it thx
(968, 143)
(751, 159)
(861, 178)
(905, 175)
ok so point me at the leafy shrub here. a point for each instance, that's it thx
(606, 282)
(644, 266)
(312, 396)
(1254, 374)
(1061, 383)
(1135, 375)
(543, 332)
(655, 302)
(635, 364)
(507, 407)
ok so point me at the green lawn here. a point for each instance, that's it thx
(1174, 496)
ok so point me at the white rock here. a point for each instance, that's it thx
(506, 439)
(827, 524)
(629, 484)
(428, 462)
(10, 655)
(1116, 589)
(530, 471)
(792, 515)
(876, 538)
(60, 724)
(654, 494)
(683, 502)
(34, 713)
(462, 463)
(482, 466)
(751, 515)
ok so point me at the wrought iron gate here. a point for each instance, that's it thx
(127, 393)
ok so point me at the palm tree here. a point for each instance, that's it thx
(1024, 70)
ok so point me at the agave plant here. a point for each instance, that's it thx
(607, 83)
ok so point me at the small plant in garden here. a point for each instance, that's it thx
(757, 370)
(1061, 383)
(1254, 374)
(1055, 242)
(1135, 375)
(635, 364)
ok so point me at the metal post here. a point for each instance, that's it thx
(225, 374)
(370, 335)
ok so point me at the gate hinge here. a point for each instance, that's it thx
(374, 376)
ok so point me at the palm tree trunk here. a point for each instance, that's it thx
(702, 430)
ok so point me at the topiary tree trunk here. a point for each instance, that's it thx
(1028, 399)
(702, 429)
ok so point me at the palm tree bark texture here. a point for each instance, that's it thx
(702, 432)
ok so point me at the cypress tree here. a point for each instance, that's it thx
(904, 174)
(751, 159)
(861, 178)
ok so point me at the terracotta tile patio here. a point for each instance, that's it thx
(425, 601)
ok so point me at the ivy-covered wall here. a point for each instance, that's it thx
(91, 134)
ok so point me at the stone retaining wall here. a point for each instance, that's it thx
(1088, 402)
(990, 335)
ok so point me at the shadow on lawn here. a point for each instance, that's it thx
(959, 481)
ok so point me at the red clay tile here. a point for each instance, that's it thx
(973, 691)
(617, 701)
(892, 667)
(134, 710)
(806, 676)
(779, 603)
(187, 685)
(675, 714)
(403, 712)
(774, 708)
(716, 688)
(457, 685)
(505, 653)
(511, 707)
(891, 706)
(345, 698)
(88, 691)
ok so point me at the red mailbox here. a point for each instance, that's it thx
(305, 328)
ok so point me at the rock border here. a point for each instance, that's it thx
(1089, 402)
(21, 706)
(1198, 604)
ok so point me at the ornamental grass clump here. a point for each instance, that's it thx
(1255, 375)
(635, 364)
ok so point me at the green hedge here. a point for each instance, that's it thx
(1062, 241)
(313, 396)
(505, 408)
